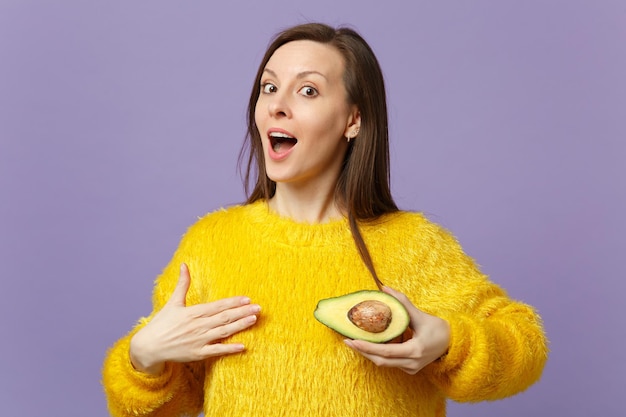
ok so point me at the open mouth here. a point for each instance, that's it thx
(281, 142)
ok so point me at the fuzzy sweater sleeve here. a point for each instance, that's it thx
(179, 389)
(498, 346)
(495, 352)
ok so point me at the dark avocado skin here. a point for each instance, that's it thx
(333, 313)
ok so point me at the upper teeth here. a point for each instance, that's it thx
(280, 135)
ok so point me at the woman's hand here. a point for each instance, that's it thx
(429, 340)
(179, 333)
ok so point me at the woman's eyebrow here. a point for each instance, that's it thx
(302, 74)
(307, 73)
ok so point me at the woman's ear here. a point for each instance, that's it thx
(354, 124)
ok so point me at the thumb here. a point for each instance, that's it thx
(179, 295)
(415, 314)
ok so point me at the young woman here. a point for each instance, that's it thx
(232, 331)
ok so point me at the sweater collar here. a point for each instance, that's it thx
(288, 231)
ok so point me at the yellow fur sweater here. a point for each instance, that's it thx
(295, 366)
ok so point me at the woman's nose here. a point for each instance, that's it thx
(278, 106)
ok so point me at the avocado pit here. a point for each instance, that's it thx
(370, 315)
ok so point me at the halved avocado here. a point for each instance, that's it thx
(368, 315)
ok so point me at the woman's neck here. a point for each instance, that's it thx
(305, 205)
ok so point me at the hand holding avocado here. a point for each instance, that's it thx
(178, 333)
(429, 340)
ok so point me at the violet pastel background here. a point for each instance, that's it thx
(120, 124)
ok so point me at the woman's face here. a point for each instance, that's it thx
(303, 114)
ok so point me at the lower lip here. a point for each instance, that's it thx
(274, 156)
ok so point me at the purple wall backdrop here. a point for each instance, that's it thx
(120, 123)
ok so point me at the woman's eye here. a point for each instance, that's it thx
(308, 91)
(268, 88)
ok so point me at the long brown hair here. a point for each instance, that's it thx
(362, 189)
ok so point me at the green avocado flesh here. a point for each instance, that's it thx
(368, 315)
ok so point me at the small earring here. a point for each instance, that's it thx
(353, 135)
